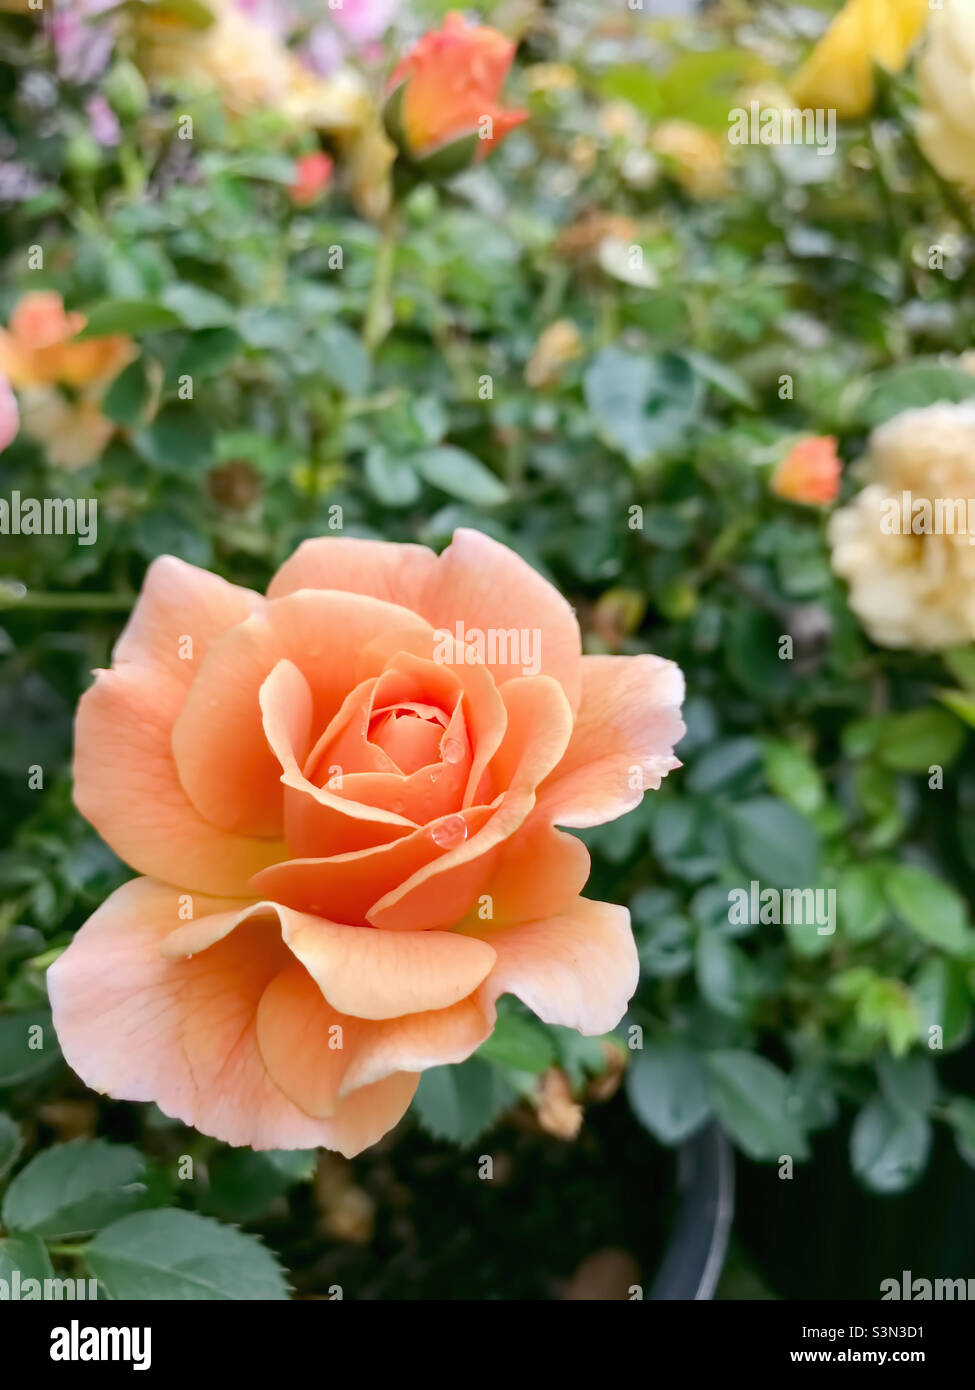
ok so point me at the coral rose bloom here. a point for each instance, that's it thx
(39, 347)
(453, 79)
(346, 818)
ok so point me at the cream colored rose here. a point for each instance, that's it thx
(697, 157)
(912, 585)
(251, 69)
(946, 128)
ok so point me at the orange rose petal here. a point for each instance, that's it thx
(359, 971)
(344, 887)
(417, 654)
(379, 975)
(540, 872)
(39, 320)
(441, 892)
(417, 1041)
(453, 77)
(344, 743)
(316, 827)
(178, 614)
(577, 970)
(183, 1033)
(485, 587)
(382, 569)
(318, 822)
(624, 734)
(293, 1021)
(294, 1025)
(476, 582)
(220, 725)
(126, 784)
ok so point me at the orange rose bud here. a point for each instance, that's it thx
(810, 472)
(443, 97)
(314, 173)
(40, 347)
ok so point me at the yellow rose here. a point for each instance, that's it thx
(697, 157)
(838, 74)
(946, 69)
(73, 433)
(559, 344)
(250, 67)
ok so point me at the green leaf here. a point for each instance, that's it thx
(519, 1043)
(643, 405)
(392, 480)
(342, 359)
(960, 702)
(179, 440)
(942, 997)
(960, 1114)
(28, 1046)
(931, 908)
(667, 1089)
(196, 307)
(860, 902)
(448, 159)
(724, 764)
(460, 1102)
(961, 663)
(725, 975)
(774, 843)
(756, 1104)
(912, 384)
(297, 1165)
(244, 1183)
(129, 316)
(909, 1084)
(205, 353)
(888, 1149)
(723, 378)
(460, 474)
(173, 1254)
(11, 1142)
(125, 399)
(887, 1007)
(26, 1254)
(919, 739)
(793, 776)
(74, 1188)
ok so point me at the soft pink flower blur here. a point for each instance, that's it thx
(9, 414)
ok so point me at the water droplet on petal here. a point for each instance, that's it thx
(452, 750)
(450, 832)
(398, 807)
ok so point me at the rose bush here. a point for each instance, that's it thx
(374, 800)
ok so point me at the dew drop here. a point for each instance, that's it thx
(452, 750)
(450, 832)
(398, 807)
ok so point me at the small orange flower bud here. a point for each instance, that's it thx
(313, 175)
(809, 473)
(445, 93)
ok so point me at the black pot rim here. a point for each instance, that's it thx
(696, 1251)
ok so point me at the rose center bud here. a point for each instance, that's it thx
(409, 733)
